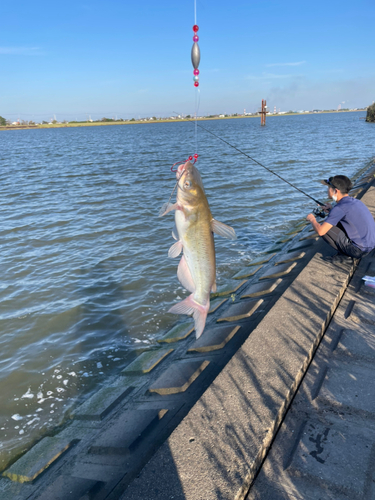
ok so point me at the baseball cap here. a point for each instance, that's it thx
(340, 182)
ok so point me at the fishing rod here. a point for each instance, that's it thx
(253, 159)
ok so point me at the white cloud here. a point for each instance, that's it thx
(20, 51)
(286, 64)
(270, 76)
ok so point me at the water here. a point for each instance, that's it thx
(85, 275)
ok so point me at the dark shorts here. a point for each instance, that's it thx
(338, 240)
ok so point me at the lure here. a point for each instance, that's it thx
(195, 55)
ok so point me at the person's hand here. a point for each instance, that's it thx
(310, 217)
(327, 207)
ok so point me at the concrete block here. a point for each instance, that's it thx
(246, 272)
(146, 362)
(15, 491)
(259, 289)
(178, 377)
(360, 183)
(314, 236)
(37, 459)
(101, 403)
(261, 260)
(99, 472)
(228, 289)
(125, 433)
(299, 245)
(333, 456)
(350, 388)
(285, 239)
(215, 304)
(241, 310)
(289, 257)
(79, 430)
(297, 229)
(357, 344)
(363, 312)
(214, 339)
(276, 272)
(71, 488)
(274, 249)
(178, 332)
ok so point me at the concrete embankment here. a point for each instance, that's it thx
(195, 419)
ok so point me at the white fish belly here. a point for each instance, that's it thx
(199, 251)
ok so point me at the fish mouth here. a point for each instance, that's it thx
(184, 167)
(182, 173)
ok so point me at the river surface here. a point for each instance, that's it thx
(85, 277)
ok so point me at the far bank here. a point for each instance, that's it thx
(143, 121)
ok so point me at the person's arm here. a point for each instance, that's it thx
(321, 229)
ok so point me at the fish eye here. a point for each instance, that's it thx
(187, 184)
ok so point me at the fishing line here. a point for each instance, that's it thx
(197, 104)
(197, 91)
(195, 60)
(253, 159)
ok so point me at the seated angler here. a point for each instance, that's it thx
(349, 227)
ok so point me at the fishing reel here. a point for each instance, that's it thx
(320, 212)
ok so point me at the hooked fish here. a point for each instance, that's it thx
(194, 228)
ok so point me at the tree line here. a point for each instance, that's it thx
(370, 117)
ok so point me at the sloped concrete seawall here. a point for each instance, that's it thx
(218, 448)
(194, 419)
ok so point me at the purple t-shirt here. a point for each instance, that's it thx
(357, 221)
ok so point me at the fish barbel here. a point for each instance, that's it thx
(195, 227)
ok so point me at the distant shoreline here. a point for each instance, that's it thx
(139, 122)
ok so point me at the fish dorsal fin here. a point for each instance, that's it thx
(223, 230)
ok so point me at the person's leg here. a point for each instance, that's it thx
(340, 226)
(338, 240)
(346, 247)
(332, 237)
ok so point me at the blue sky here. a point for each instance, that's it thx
(132, 59)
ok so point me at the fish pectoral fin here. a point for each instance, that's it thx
(184, 275)
(214, 287)
(199, 312)
(175, 250)
(223, 230)
(175, 232)
(168, 207)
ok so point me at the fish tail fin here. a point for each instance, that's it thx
(200, 316)
(198, 311)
